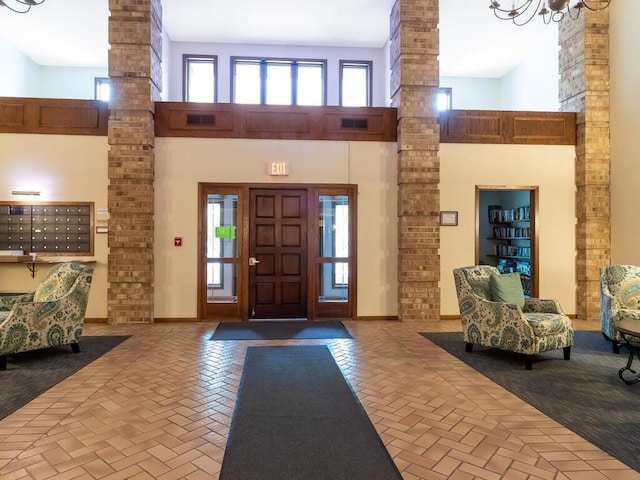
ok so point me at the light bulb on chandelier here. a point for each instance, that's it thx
(20, 6)
(523, 11)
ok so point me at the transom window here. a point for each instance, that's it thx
(444, 98)
(355, 83)
(103, 89)
(278, 82)
(199, 78)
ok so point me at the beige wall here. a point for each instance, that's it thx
(64, 168)
(67, 168)
(182, 163)
(551, 168)
(625, 141)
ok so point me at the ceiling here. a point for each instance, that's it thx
(472, 42)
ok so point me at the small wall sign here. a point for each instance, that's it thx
(279, 169)
(449, 218)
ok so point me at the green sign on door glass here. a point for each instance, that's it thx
(225, 232)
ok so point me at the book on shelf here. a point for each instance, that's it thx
(509, 214)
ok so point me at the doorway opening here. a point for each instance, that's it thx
(276, 251)
(506, 231)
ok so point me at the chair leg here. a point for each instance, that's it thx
(614, 344)
(468, 347)
(3, 362)
(567, 353)
(75, 347)
(528, 362)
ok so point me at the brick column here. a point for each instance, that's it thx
(584, 88)
(414, 83)
(135, 28)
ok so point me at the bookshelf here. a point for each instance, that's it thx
(510, 239)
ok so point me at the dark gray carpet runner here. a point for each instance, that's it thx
(280, 330)
(296, 417)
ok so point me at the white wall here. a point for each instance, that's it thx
(625, 141)
(533, 84)
(64, 168)
(166, 61)
(473, 93)
(332, 54)
(69, 82)
(181, 163)
(20, 76)
(551, 168)
(530, 86)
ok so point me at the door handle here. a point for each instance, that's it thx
(253, 261)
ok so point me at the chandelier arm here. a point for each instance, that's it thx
(593, 9)
(524, 10)
(27, 4)
(556, 12)
(15, 9)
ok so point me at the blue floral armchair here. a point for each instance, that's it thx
(539, 326)
(619, 298)
(50, 316)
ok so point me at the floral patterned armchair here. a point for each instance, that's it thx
(619, 298)
(538, 327)
(50, 316)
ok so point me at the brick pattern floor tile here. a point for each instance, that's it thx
(159, 406)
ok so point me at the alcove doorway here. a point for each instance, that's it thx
(507, 231)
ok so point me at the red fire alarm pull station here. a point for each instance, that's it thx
(177, 241)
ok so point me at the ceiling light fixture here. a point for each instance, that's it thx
(20, 6)
(523, 11)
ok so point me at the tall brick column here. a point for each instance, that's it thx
(135, 28)
(414, 83)
(584, 88)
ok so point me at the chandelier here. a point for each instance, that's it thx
(522, 11)
(20, 6)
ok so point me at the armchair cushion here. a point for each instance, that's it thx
(507, 288)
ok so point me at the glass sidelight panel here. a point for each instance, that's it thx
(222, 248)
(334, 248)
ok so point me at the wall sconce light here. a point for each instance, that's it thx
(33, 193)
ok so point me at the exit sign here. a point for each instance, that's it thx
(279, 168)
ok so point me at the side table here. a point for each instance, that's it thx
(629, 328)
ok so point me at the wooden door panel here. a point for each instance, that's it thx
(290, 264)
(278, 240)
(290, 293)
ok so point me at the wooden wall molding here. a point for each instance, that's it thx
(508, 127)
(53, 116)
(227, 120)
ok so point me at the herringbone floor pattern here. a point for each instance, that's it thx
(159, 406)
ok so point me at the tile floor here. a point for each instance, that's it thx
(159, 406)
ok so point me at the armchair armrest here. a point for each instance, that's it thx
(627, 314)
(542, 305)
(7, 301)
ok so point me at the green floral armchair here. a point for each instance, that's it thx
(537, 327)
(619, 298)
(50, 316)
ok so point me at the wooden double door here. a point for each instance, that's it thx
(282, 251)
